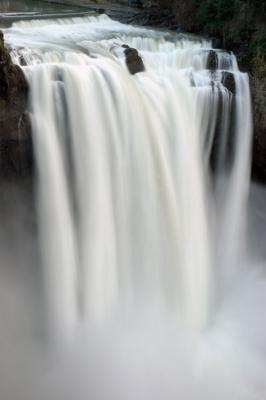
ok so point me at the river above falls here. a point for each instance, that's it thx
(15, 10)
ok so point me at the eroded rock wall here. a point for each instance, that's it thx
(258, 91)
(15, 131)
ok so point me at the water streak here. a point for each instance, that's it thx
(123, 169)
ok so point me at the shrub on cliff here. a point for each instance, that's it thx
(240, 24)
(214, 15)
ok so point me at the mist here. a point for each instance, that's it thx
(146, 358)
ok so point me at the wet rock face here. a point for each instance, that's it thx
(15, 132)
(258, 92)
(133, 60)
(228, 80)
(212, 60)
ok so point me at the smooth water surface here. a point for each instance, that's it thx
(13, 10)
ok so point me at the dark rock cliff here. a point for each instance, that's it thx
(15, 132)
(258, 91)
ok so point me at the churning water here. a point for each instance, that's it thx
(149, 288)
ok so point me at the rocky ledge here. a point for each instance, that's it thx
(15, 132)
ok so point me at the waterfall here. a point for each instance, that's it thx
(145, 277)
(133, 220)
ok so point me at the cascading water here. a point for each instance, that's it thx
(135, 226)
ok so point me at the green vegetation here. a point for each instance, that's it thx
(240, 25)
(214, 13)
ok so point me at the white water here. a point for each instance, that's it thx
(135, 231)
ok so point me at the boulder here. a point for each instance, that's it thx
(228, 80)
(133, 60)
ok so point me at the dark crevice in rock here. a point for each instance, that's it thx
(223, 148)
(212, 60)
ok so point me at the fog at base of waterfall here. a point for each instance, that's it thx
(148, 283)
(143, 361)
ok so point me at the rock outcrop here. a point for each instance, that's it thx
(15, 135)
(228, 80)
(133, 60)
(212, 60)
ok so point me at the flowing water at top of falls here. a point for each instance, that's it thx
(142, 185)
(16, 10)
